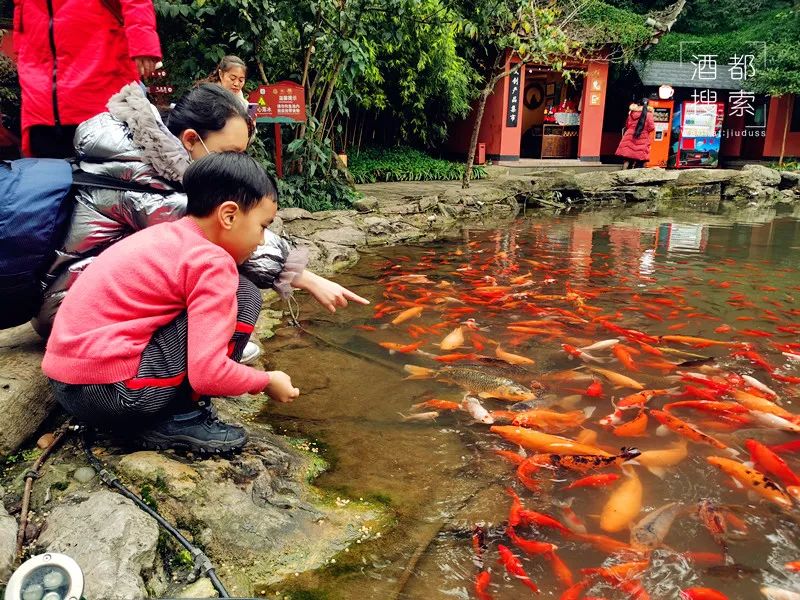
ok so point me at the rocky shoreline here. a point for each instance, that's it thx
(258, 515)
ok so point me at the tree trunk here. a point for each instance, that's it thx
(473, 142)
(789, 106)
(326, 101)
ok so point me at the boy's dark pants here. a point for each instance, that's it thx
(161, 387)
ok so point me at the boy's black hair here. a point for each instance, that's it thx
(206, 108)
(222, 176)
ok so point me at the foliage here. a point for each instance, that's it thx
(789, 165)
(420, 79)
(405, 164)
(770, 26)
(10, 93)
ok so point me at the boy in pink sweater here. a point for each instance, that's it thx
(158, 322)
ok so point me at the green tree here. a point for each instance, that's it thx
(547, 32)
(782, 73)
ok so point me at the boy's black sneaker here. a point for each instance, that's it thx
(195, 431)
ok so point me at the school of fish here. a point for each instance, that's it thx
(592, 386)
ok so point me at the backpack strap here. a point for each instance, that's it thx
(85, 179)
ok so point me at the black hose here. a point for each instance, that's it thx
(202, 564)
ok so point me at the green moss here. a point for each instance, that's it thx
(303, 594)
(60, 485)
(146, 493)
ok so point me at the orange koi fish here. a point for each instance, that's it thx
(752, 480)
(404, 348)
(624, 504)
(437, 404)
(560, 569)
(696, 342)
(510, 456)
(481, 586)
(519, 515)
(514, 567)
(544, 442)
(595, 389)
(617, 378)
(640, 398)
(603, 543)
(685, 429)
(771, 463)
(711, 406)
(529, 546)
(514, 359)
(657, 461)
(636, 427)
(702, 593)
(593, 481)
(550, 420)
(407, 314)
(760, 404)
(575, 592)
(584, 463)
(624, 357)
(793, 566)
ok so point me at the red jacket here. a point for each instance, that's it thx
(73, 55)
(636, 148)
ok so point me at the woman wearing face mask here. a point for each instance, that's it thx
(131, 143)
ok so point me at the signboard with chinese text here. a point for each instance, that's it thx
(512, 118)
(284, 101)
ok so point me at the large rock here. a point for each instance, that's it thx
(25, 396)
(293, 213)
(382, 231)
(342, 236)
(8, 543)
(704, 176)
(644, 176)
(761, 174)
(754, 183)
(334, 257)
(593, 182)
(112, 540)
(202, 588)
(176, 478)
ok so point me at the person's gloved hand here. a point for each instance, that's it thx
(280, 387)
(328, 293)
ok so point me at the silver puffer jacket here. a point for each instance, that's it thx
(131, 143)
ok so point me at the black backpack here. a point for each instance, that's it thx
(35, 209)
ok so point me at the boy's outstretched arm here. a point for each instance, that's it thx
(211, 309)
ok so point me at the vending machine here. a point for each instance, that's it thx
(659, 144)
(696, 135)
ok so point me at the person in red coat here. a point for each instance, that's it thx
(635, 144)
(72, 56)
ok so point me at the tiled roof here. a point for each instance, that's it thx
(658, 72)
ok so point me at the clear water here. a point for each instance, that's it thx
(441, 477)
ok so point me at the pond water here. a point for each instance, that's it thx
(534, 288)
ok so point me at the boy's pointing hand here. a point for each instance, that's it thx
(280, 387)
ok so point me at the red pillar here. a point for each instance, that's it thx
(594, 105)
